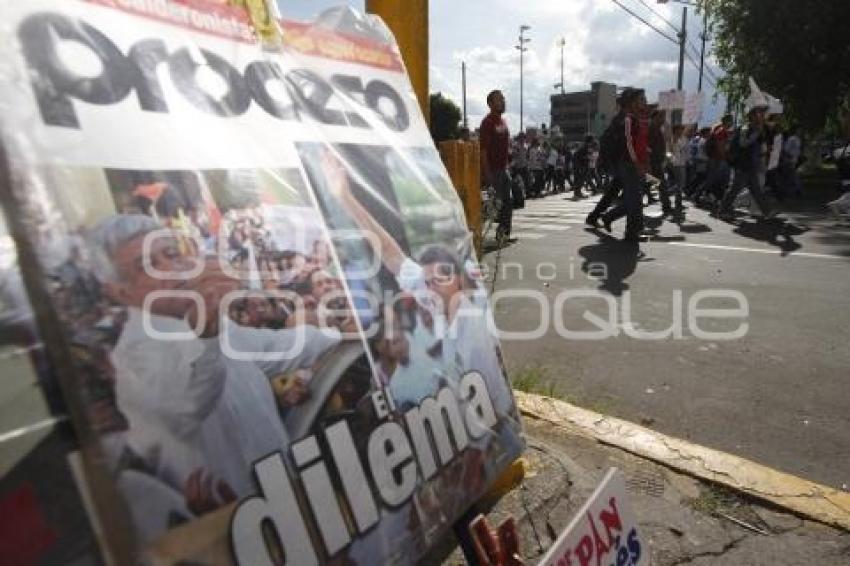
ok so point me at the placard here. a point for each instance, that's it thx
(604, 531)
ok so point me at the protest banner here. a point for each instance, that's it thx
(603, 531)
(253, 281)
(693, 108)
(671, 100)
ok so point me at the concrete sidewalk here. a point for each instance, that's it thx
(687, 521)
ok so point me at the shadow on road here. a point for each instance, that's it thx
(776, 232)
(620, 259)
(694, 228)
(652, 228)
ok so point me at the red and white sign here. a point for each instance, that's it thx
(603, 533)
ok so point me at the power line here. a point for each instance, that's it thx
(708, 70)
(659, 15)
(711, 77)
(707, 79)
(646, 23)
(692, 51)
(692, 44)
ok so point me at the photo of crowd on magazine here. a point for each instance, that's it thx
(185, 420)
(433, 326)
(183, 407)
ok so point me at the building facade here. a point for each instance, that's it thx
(577, 114)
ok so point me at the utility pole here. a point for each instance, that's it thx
(522, 49)
(463, 89)
(683, 37)
(704, 36)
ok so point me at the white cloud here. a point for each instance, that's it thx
(602, 43)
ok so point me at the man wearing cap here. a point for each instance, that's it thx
(746, 150)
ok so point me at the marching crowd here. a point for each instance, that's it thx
(719, 167)
(544, 167)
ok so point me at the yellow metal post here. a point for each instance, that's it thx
(462, 161)
(262, 14)
(408, 20)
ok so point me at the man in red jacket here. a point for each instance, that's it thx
(630, 165)
(495, 141)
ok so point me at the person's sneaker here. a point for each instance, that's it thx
(505, 241)
(592, 222)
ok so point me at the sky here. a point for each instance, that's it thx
(603, 43)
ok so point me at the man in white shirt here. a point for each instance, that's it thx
(439, 282)
(791, 151)
(193, 386)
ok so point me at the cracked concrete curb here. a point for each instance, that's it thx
(799, 496)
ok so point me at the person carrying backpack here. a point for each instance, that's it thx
(618, 151)
(745, 154)
(609, 144)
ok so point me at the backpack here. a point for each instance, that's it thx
(612, 144)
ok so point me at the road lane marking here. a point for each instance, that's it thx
(552, 216)
(756, 250)
(545, 227)
(527, 235)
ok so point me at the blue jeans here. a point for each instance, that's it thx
(718, 178)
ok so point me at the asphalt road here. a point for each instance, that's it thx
(779, 394)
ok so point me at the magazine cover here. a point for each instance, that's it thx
(252, 279)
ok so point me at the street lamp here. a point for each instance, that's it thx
(562, 42)
(522, 49)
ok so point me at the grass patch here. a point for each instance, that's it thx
(535, 379)
(714, 499)
(538, 380)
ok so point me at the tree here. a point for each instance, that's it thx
(445, 118)
(796, 50)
